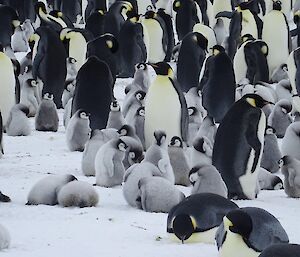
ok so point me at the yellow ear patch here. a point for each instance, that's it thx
(264, 50)
(101, 12)
(34, 37)
(177, 4)
(193, 222)
(16, 23)
(215, 52)
(109, 43)
(251, 101)
(170, 73)
(60, 14)
(134, 20)
(226, 221)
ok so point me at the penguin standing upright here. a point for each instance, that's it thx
(165, 98)
(279, 40)
(7, 89)
(91, 97)
(218, 84)
(49, 62)
(239, 145)
(191, 56)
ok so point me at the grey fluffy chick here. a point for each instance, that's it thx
(18, 122)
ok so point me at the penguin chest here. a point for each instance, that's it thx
(239, 64)
(78, 49)
(162, 111)
(155, 36)
(249, 180)
(234, 246)
(249, 24)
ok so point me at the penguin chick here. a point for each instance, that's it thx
(269, 181)
(46, 118)
(67, 112)
(201, 152)
(45, 190)
(4, 238)
(109, 163)
(138, 124)
(18, 122)
(206, 179)
(208, 129)
(115, 117)
(78, 131)
(133, 101)
(279, 118)
(179, 161)
(195, 120)
(158, 195)
(271, 153)
(132, 177)
(134, 153)
(129, 131)
(19, 42)
(28, 96)
(290, 168)
(280, 73)
(78, 194)
(291, 141)
(67, 94)
(158, 155)
(97, 139)
(284, 90)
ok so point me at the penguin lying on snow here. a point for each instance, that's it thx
(18, 122)
(269, 181)
(247, 232)
(45, 190)
(197, 217)
(78, 194)
(158, 195)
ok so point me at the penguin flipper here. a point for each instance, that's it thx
(220, 235)
(37, 61)
(108, 163)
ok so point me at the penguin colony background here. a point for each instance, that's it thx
(181, 107)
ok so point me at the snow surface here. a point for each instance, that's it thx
(112, 228)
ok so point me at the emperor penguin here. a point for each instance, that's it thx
(7, 89)
(280, 40)
(18, 122)
(218, 68)
(138, 123)
(89, 96)
(179, 161)
(271, 153)
(283, 90)
(206, 179)
(158, 37)
(4, 238)
(248, 231)
(141, 79)
(191, 56)
(134, 152)
(133, 100)
(45, 190)
(78, 131)
(19, 41)
(46, 118)
(242, 131)
(290, 168)
(281, 250)
(158, 195)
(109, 163)
(165, 97)
(195, 120)
(223, 6)
(29, 93)
(96, 140)
(280, 74)
(95, 23)
(291, 141)
(144, 6)
(207, 32)
(77, 194)
(201, 151)
(115, 118)
(197, 218)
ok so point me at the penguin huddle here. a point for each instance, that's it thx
(209, 102)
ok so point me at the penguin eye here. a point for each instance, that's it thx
(132, 155)
(123, 132)
(122, 147)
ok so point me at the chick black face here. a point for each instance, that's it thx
(160, 137)
(238, 222)
(141, 111)
(198, 145)
(121, 145)
(126, 130)
(176, 141)
(277, 5)
(183, 227)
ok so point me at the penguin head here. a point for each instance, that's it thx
(56, 14)
(40, 6)
(32, 82)
(150, 14)
(176, 142)
(141, 111)
(285, 160)
(192, 111)
(277, 183)
(160, 137)
(246, 38)
(140, 95)
(200, 40)
(136, 154)
(277, 5)
(163, 69)
(238, 222)
(126, 130)
(121, 145)
(48, 96)
(83, 115)
(70, 177)
(70, 87)
(217, 49)
(115, 107)
(141, 66)
(71, 60)
(255, 100)
(193, 174)
(111, 42)
(176, 5)
(270, 130)
(184, 226)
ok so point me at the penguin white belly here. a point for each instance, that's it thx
(207, 32)
(210, 14)
(234, 246)
(155, 33)
(162, 111)
(292, 69)
(276, 40)
(146, 40)
(207, 237)
(77, 50)
(249, 24)
(7, 86)
(249, 180)
(239, 64)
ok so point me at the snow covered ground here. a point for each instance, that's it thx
(112, 228)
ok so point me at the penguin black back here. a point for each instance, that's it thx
(93, 92)
(95, 23)
(9, 20)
